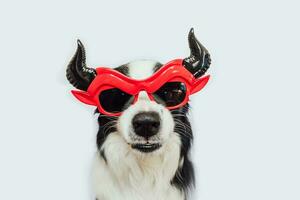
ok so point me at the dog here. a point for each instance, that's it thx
(144, 151)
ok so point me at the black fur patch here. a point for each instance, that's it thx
(102, 154)
(123, 69)
(107, 125)
(184, 178)
(157, 67)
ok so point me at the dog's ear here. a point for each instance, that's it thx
(78, 74)
(199, 60)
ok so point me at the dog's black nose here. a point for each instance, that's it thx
(146, 124)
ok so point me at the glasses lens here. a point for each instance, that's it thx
(171, 94)
(115, 100)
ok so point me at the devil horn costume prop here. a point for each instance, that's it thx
(78, 74)
(199, 60)
(81, 77)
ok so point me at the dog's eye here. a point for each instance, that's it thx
(171, 94)
(115, 100)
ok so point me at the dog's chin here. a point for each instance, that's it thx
(146, 147)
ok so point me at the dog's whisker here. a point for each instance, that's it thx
(178, 122)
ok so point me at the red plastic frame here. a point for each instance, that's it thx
(108, 78)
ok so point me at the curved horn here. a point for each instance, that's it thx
(78, 74)
(199, 60)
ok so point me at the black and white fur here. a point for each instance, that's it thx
(121, 172)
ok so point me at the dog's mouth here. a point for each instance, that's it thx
(147, 147)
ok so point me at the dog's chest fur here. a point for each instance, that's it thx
(125, 175)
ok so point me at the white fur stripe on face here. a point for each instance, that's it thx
(143, 96)
(141, 69)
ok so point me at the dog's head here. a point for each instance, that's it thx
(145, 122)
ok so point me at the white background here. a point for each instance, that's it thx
(246, 121)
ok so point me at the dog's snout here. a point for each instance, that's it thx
(146, 124)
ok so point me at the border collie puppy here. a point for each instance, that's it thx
(143, 153)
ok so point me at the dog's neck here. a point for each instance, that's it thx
(137, 172)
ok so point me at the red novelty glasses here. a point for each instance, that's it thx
(112, 92)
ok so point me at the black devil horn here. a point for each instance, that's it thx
(78, 74)
(199, 60)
